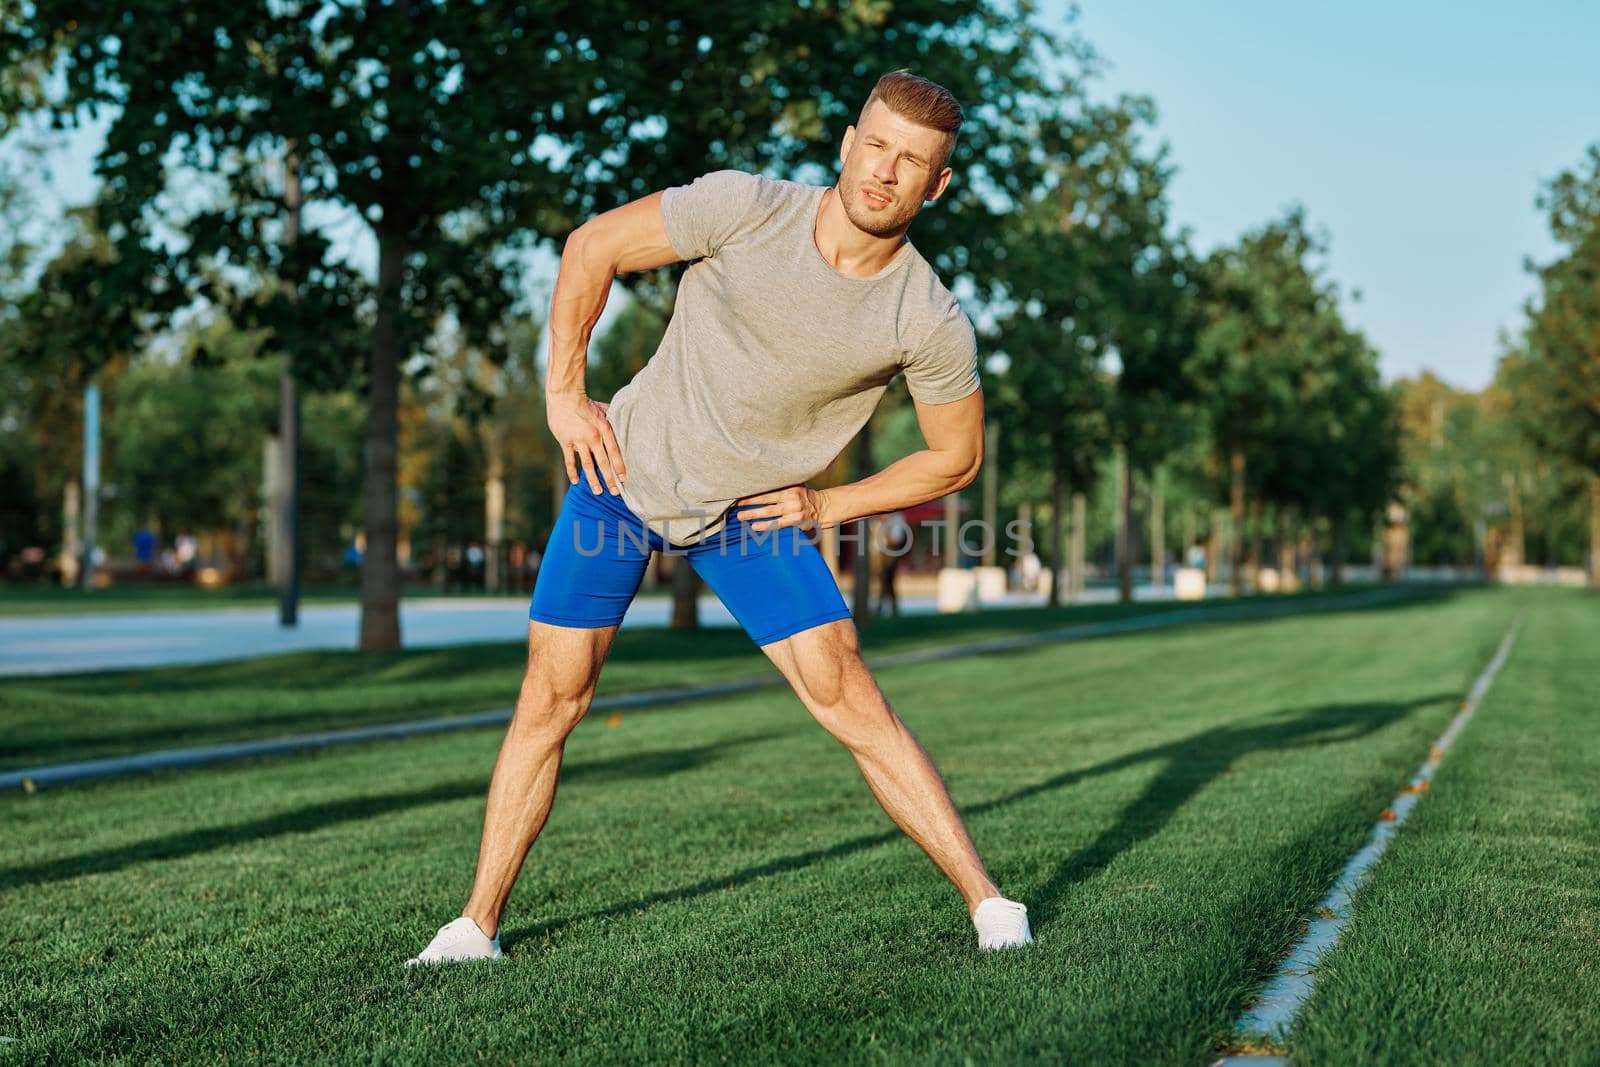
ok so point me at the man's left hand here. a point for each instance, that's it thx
(793, 505)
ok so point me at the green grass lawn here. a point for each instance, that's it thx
(60, 718)
(717, 885)
(1477, 939)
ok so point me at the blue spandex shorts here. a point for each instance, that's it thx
(775, 582)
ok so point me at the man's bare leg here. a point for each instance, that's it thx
(557, 689)
(824, 666)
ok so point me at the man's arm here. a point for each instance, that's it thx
(629, 238)
(954, 435)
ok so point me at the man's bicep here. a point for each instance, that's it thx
(954, 429)
(631, 237)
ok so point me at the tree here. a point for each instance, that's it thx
(1089, 274)
(46, 328)
(23, 514)
(1558, 378)
(1258, 323)
(1344, 463)
(185, 446)
(458, 138)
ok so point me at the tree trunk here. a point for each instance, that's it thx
(1126, 552)
(1253, 562)
(1516, 541)
(244, 536)
(71, 559)
(289, 518)
(1191, 534)
(685, 594)
(1283, 545)
(991, 493)
(1311, 549)
(289, 427)
(830, 550)
(272, 476)
(1236, 521)
(559, 484)
(1594, 530)
(380, 564)
(1158, 533)
(1058, 492)
(1079, 544)
(494, 515)
(91, 481)
(861, 593)
(952, 555)
(1215, 541)
(1336, 577)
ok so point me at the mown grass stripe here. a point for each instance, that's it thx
(711, 887)
(1263, 1029)
(58, 774)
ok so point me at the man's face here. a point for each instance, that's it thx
(889, 170)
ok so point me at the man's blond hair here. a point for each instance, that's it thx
(924, 102)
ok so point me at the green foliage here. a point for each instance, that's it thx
(459, 139)
(166, 421)
(1088, 272)
(623, 350)
(1286, 384)
(1557, 380)
(451, 492)
(462, 136)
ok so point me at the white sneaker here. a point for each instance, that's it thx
(1001, 923)
(458, 942)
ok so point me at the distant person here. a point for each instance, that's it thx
(1029, 568)
(185, 549)
(896, 543)
(144, 546)
(801, 305)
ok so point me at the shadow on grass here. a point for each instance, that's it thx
(346, 669)
(1189, 765)
(404, 670)
(66, 748)
(654, 763)
(1272, 608)
(1193, 763)
(648, 645)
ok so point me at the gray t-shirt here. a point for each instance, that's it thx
(773, 360)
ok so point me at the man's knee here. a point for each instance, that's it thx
(843, 697)
(551, 701)
(867, 726)
(557, 686)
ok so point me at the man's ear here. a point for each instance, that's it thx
(844, 145)
(938, 186)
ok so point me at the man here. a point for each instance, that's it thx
(801, 305)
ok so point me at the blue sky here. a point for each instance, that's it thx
(1415, 134)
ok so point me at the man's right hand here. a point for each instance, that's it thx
(581, 428)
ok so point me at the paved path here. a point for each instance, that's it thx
(94, 641)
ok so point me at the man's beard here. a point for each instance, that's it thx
(882, 223)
